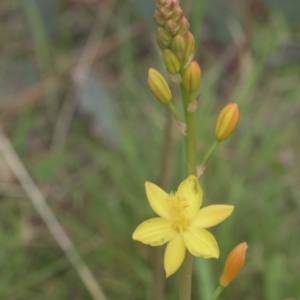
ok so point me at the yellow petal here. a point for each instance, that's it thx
(211, 215)
(174, 254)
(190, 190)
(154, 232)
(158, 200)
(200, 242)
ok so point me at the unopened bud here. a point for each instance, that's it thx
(184, 26)
(166, 12)
(163, 38)
(171, 3)
(177, 13)
(234, 263)
(227, 121)
(171, 61)
(161, 2)
(189, 49)
(191, 77)
(158, 19)
(159, 86)
(178, 45)
(171, 26)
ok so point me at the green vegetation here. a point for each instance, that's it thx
(90, 142)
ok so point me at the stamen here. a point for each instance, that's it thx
(178, 207)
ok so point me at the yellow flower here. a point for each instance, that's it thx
(181, 223)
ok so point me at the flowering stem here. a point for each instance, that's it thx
(190, 138)
(217, 293)
(190, 150)
(174, 111)
(210, 151)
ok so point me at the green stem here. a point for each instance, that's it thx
(217, 293)
(190, 138)
(190, 150)
(174, 111)
(210, 151)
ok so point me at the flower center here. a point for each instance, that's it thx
(178, 206)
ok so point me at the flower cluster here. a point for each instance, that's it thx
(173, 36)
(177, 45)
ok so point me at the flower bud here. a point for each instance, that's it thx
(189, 49)
(166, 12)
(171, 61)
(171, 26)
(191, 77)
(172, 3)
(163, 38)
(158, 19)
(177, 13)
(161, 2)
(183, 25)
(234, 263)
(178, 45)
(159, 86)
(227, 121)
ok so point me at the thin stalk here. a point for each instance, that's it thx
(190, 138)
(210, 151)
(190, 151)
(217, 293)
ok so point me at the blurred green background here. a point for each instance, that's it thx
(75, 105)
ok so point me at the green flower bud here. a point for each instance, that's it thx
(189, 49)
(184, 26)
(171, 61)
(191, 77)
(166, 12)
(177, 13)
(158, 19)
(159, 86)
(163, 38)
(171, 26)
(178, 46)
(161, 2)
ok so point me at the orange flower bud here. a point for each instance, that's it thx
(234, 263)
(227, 121)
(159, 86)
(171, 61)
(191, 77)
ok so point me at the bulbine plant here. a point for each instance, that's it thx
(182, 222)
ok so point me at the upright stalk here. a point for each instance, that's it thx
(190, 151)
